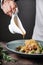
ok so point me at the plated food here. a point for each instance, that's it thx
(30, 47)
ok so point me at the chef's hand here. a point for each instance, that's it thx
(8, 7)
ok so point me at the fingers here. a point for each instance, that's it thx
(6, 7)
(9, 13)
(13, 10)
(9, 7)
(13, 6)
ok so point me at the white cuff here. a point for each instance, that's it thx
(1, 2)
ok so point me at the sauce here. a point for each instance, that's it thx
(23, 36)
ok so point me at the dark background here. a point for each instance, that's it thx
(26, 13)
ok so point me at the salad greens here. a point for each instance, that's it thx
(5, 56)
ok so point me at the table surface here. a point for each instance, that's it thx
(21, 60)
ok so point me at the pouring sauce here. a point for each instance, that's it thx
(16, 22)
(23, 34)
